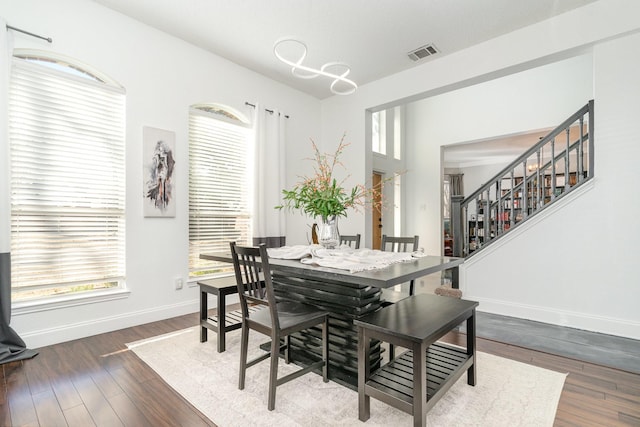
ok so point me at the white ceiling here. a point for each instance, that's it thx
(372, 36)
(494, 151)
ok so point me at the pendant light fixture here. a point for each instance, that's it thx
(337, 71)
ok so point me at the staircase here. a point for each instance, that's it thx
(555, 166)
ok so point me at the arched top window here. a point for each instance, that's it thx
(63, 64)
(220, 184)
(67, 138)
(223, 112)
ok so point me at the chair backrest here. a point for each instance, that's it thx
(253, 277)
(399, 244)
(353, 241)
(271, 242)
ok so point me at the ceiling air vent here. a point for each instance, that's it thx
(423, 52)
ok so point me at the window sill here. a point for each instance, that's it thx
(55, 303)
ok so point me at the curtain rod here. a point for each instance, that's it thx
(9, 27)
(266, 109)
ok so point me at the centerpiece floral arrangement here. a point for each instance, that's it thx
(323, 196)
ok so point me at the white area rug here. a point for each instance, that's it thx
(507, 393)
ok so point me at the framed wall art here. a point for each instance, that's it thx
(158, 154)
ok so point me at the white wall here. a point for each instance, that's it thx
(162, 76)
(575, 267)
(590, 283)
(541, 97)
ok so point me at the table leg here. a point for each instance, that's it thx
(221, 322)
(203, 315)
(419, 384)
(364, 401)
(471, 347)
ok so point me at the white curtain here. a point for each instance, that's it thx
(12, 347)
(6, 49)
(270, 131)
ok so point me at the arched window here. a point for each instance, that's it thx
(66, 131)
(220, 181)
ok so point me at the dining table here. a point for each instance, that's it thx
(346, 296)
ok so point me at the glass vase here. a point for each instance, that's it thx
(328, 234)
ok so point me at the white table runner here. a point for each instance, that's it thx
(343, 258)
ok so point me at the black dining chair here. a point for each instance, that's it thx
(277, 319)
(397, 244)
(400, 244)
(351, 240)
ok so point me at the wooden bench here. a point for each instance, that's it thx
(417, 379)
(223, 322)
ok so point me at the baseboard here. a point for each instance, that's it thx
(49, 336)
(600, 324)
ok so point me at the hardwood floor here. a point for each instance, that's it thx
(96, 381)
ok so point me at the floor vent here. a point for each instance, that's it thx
(423, 52)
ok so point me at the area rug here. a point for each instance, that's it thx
(507, 393)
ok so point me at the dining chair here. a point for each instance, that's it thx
(351, 240)
(400, 244)
(277, 319)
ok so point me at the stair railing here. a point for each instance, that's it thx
(556, 165)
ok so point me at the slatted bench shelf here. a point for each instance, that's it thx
(220, 287)
(417, 379)
(232, 319)
(445, 364)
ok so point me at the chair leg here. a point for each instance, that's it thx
(325, 350)
(244, 343)
(411, 286)
(203, 315)
(273, 372)
(287, 347)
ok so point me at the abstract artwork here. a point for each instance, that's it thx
(158, 148)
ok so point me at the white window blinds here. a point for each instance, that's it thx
(68, 182)
(220, 167)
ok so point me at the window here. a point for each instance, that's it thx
(220, 195)
(397, 133)
(379, 132)
(66, 131)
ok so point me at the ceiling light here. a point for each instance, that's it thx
(337, 71)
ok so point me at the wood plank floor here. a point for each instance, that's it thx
(96, 381)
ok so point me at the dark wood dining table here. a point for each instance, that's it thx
(347, 296)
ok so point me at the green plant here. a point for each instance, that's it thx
(322, 195)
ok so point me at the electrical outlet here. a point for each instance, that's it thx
(179, 283)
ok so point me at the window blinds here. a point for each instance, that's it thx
(220, 165)
(68, 181)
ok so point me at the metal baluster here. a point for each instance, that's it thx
(553, 169)
(475, 225)
(499, 209)
(567, 162)
(525, 193)
(479, 208)
(512, 216)
(591, 153)
(465, 243)
(460, 235)
(486, 210)
(537, 180)
(581, 151)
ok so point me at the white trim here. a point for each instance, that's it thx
(49, 336)
(54, 303)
